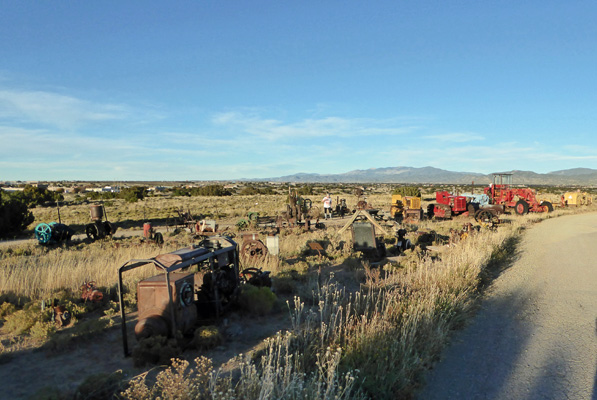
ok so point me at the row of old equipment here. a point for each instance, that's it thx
(56, 232)
(499, 196)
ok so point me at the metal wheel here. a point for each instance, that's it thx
(483, 216)
(249, 273)
(43, 233)
(91, 232)
(158, 238)
(521, 207)
(253, 250)
(108, 228)
(547, 206)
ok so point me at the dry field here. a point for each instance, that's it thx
(353, 331)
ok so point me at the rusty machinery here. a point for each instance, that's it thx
(150, 234)
(522, 200)
(182, 220)
(299, 212)
(341, 208)
(406, 208)
(448, 205)
(254, 251)
(99, 229)
(53, 232)
(363, 225)
(195, 283)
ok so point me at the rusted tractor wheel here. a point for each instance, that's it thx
(92, 232)
(253, 251)
(547, 206)
(521, 207)
(483, 216)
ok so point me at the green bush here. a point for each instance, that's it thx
(210, 190)
(14, 214)
(35, 196)
(133, 194)
(101, 386)
(407, 191)
(207, 337)
(6, 309)
(20, 322)
(154, 350)
(257, 300)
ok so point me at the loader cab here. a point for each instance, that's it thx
(500, 186)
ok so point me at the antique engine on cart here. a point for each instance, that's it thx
(99, 229)
(196, 283)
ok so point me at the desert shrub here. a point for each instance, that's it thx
(133, 194)
(407, 191)
(180, 381)
(257, 300)
(210, 190)
(41, 331)
(100, 386)
(207, 337)
(285, 285)
(181, 192)
(14, 214)
(155, 350)
(19, 322)
(6, 309)
(252, 190)
(50, 393)
(35, 196)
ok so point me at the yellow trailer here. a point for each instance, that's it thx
(577, 199)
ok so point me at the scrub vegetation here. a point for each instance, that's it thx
(355, 330)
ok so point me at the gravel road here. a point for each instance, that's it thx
(534, 336)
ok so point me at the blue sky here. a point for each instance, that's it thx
(208, 90)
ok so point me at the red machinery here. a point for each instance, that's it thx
(448, 205)
(522, 200)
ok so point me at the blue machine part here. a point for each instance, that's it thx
(43, 233)
(479, 198)
(52, 232)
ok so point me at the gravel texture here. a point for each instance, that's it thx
(534, 336)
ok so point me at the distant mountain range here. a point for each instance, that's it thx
(575, 176)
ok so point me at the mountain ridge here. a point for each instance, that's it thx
(428, 174)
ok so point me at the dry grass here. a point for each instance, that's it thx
(371, 342)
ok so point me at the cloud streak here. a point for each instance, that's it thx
(55, 110)
(276, 130)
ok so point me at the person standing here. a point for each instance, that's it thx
(327, 206)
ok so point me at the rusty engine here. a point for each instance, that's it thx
(99, 229)
(195, 283)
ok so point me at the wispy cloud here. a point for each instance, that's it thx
(273, 129)
(55, 110)
(456, 137)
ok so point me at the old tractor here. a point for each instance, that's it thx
(522, 200)
(448, 205)
(406, 208)
(99, 229)
(467, 204)
(196, 283)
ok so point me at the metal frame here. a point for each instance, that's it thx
(200, 255)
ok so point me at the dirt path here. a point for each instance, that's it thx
(535, 335)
